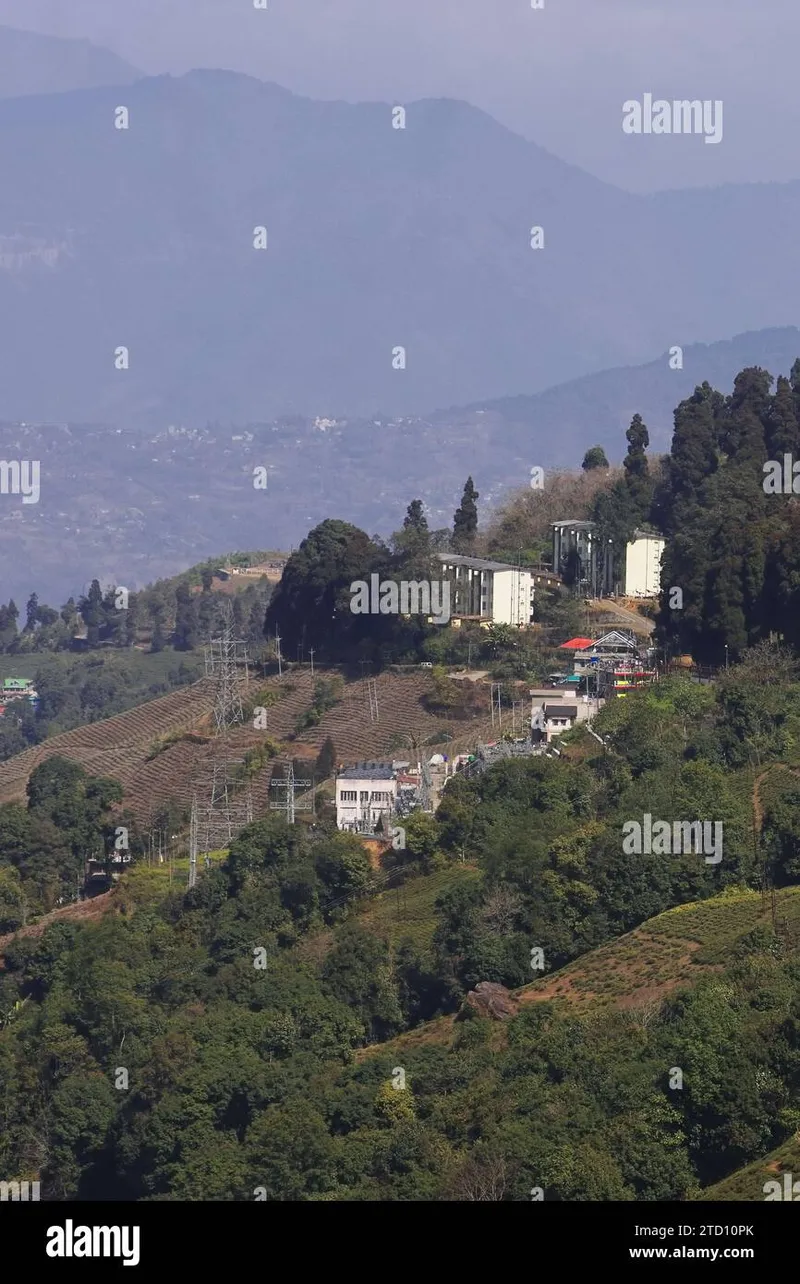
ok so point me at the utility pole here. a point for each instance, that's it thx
(193, 844)
(372, 694)
(312, 661)
(278, 649)
(495, 698)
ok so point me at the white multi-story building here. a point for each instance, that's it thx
(486, 591)
(593, 567)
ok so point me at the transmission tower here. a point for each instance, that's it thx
(222, 802)
(291, 803)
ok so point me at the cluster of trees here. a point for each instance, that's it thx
(327, 694)
(75, 690)
(311, 607)
(236, 1007)
(70, 818)
(169, 613)
(733, 548)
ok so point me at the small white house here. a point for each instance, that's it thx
(559, 718)
(365, 793)
(552, 718)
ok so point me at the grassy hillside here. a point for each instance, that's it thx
(410, 909)
(636, 971)
(748, 1183)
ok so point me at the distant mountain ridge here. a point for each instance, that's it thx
(378, 239)
(31, 63)
(597, 409)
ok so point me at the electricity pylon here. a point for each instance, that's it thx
(291, 803)
(228, 802)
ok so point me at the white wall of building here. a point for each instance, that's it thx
(373, 798)
(643, 566)
(512, 596)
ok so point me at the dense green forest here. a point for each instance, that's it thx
(732, 543)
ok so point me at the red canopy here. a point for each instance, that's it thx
(576, 644)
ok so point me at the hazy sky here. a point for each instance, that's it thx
(558, 76)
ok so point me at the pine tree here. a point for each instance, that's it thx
(132, 616)
(637, 472)
(92, 614)
(8, 626)
(782, 430)
(695, 455)
(157, 641)
(31, 613)
(185, 633)
(326, 760)
(465, 519)
(746, 413)
(254, 633)
(415, 518)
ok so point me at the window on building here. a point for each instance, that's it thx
(364, 795)
(348, 795)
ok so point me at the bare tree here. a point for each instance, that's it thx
(645, 1013)
(481, 1179)
(502, 906)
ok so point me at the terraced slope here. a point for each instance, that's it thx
(666, 952)
(116, 746)
(126, 746)
(401, 714)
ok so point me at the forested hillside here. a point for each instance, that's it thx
(237, 1010)
(516, 1000)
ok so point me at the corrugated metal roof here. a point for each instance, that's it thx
(368, 771)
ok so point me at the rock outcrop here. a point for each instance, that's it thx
(490, 999)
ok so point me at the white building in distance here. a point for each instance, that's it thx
(577, 542)
(364, 793)
(488, 592)
(643, 565)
